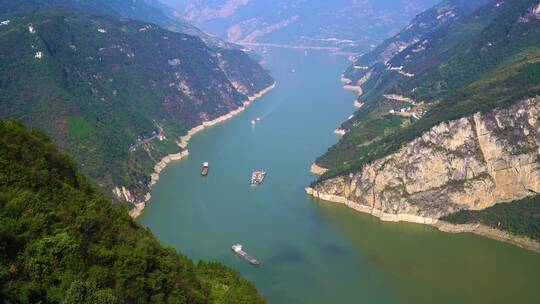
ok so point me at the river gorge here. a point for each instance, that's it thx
(312, 251)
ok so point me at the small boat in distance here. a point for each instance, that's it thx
(237, 249)
(204, 169)
(255, 121)
(257, 177)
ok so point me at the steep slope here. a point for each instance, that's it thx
(144, 10)
(61, 241)
(117, 94)
(458, 132)
(341, 25)
(421, 26)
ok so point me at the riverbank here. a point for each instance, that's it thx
(347, 85)
(317, 170)
(482, 230)
(492, 233)
(138, 207)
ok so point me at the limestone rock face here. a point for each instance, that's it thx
(470, 163)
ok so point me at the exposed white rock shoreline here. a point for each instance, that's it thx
(340, 132)
(317, 170)
(183, 144)
(347, 85)
(482, 230)
(366, 209)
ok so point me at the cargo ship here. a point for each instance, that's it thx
(237, 249)
(257, 177)
(204, 169)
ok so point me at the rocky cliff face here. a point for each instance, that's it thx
(470, 163)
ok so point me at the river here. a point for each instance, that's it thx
(313, 251)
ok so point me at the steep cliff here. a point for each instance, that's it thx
(479, 62)
(466, 164)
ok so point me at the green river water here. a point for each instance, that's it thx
(313, 251)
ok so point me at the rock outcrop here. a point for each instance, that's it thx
(470, 163)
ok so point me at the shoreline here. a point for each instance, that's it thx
(478, 229)
(340, 132)
(317, 170)
(183, 143)
(489, 232)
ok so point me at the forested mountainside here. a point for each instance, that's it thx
(421, 26)
(482, 62)
(145, 10)
(117, 94)
(62, 241)
(343, 25)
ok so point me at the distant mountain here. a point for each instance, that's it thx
(447, 121)
(117, 94)
(62, 241)
(144, 10)
(343, 24)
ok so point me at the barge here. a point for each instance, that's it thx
(257, 177)
(237, 249)
(204, 169)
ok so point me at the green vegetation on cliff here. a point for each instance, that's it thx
(61, 241)
(521, 217)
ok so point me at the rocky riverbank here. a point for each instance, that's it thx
(317, 170)
(138, 205)
(470, 163)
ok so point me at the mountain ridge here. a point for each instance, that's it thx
(145, 10)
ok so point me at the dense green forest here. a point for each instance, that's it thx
(62, 241)
(521, 217)
(482, 61)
